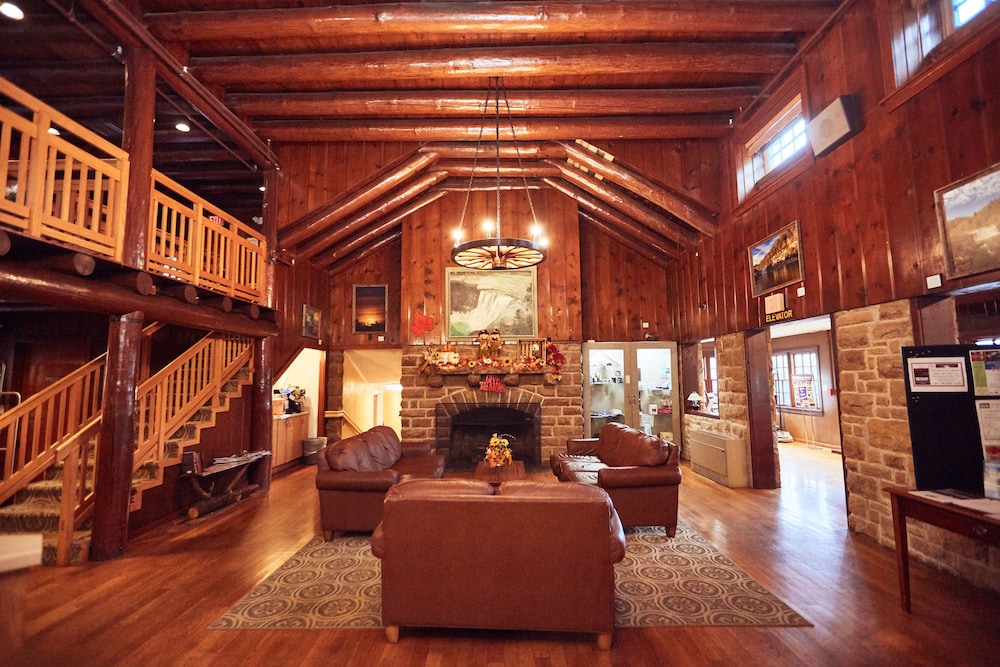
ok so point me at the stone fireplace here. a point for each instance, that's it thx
(463, 429)
(538, 410)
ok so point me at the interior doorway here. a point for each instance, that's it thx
(632, 383)
(805, 390)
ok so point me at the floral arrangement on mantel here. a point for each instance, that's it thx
(448, 361)
(498, 451)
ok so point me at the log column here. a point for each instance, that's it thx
(262, 419)
(113, 486)
(137, 140)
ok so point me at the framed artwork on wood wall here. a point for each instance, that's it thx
(776, 261)
(503, 300)
(969, 217)
(370, 308)
(310, 321)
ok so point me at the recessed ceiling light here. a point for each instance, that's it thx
(261, 188)
(11, 11)
(182, 127)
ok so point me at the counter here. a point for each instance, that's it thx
(287, 434)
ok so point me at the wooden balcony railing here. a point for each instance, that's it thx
(62, 182)
(69, 188)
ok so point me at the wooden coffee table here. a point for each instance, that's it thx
(497, 476)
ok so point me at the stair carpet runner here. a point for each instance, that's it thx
(35, 509)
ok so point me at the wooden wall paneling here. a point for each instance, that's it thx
(925, 133)
(961, 99)
(986, 64)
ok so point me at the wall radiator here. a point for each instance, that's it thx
(721, 458)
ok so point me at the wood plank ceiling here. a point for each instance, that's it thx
(249, 72)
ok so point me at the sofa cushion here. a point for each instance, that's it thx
(620, 445)
(350, 454)
(439, 488)
(384, 446)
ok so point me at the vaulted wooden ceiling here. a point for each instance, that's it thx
(251, 73)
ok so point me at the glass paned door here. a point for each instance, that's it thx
(607, 386)
(632, 383)
(655, 384)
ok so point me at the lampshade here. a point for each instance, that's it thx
(694, 397)
(498, 252)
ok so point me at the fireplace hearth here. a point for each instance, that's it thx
(464, 430)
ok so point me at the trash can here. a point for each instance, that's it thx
(310, 450)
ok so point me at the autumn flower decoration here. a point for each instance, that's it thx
(555, 359)
(498, 451)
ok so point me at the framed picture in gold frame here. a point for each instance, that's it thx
(969, 218)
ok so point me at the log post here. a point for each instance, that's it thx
(261, 417)
(113, 484)
(137, 139)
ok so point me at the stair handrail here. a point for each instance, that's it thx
(171, 397)
(77, 500)
(32, 431)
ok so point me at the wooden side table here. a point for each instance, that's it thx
(957, 519)
(497, 476)
(226, 483)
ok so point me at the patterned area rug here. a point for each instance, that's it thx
(662, 581)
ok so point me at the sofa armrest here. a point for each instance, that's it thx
(356, 480)
(582, 446)
(638, 476)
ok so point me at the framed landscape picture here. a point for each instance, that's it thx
(370, 308)
(969, 217)
(504, 300)
(776, 261)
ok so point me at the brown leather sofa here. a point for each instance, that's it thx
(527, 556)
(353, 474)
(640, 472)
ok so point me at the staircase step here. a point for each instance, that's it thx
(79, 548)
(29, 517)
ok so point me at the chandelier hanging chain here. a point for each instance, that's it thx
(517, 151)
(475, 160)
(494, 252)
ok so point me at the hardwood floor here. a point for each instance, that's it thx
(153, 607)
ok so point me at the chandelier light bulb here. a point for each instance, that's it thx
(487, 227)
(457, 236)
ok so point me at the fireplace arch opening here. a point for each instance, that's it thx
(464, 430)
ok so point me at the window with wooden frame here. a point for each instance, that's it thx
(797, 380)
(771, 141)
(919, 27)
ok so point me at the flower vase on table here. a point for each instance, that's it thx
(498, 452)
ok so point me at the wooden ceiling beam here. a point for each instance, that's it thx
(469, 104)
(383, 206)
(350, 200)
(629, 242)
(662, 225)
(372, 234)
(487, 168)
(627, 226)
(687, 209)
(434, 20)
(754, 59)
(530, 129)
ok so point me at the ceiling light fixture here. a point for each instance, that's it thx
(495, 252)
(11, 11)
(181, 126)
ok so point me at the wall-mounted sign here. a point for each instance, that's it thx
(771, 318)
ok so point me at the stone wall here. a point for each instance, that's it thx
(561, 400)
(876, 440)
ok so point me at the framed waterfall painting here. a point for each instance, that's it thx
(502, 300)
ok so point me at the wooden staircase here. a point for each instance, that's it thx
(49, 443)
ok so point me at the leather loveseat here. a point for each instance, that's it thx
(353, 474)
(457, 553)
(640, 472)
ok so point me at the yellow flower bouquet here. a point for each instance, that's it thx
(498, 451)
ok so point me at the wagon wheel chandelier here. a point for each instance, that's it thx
(495, 252)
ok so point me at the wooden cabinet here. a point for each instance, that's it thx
(287, 434)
